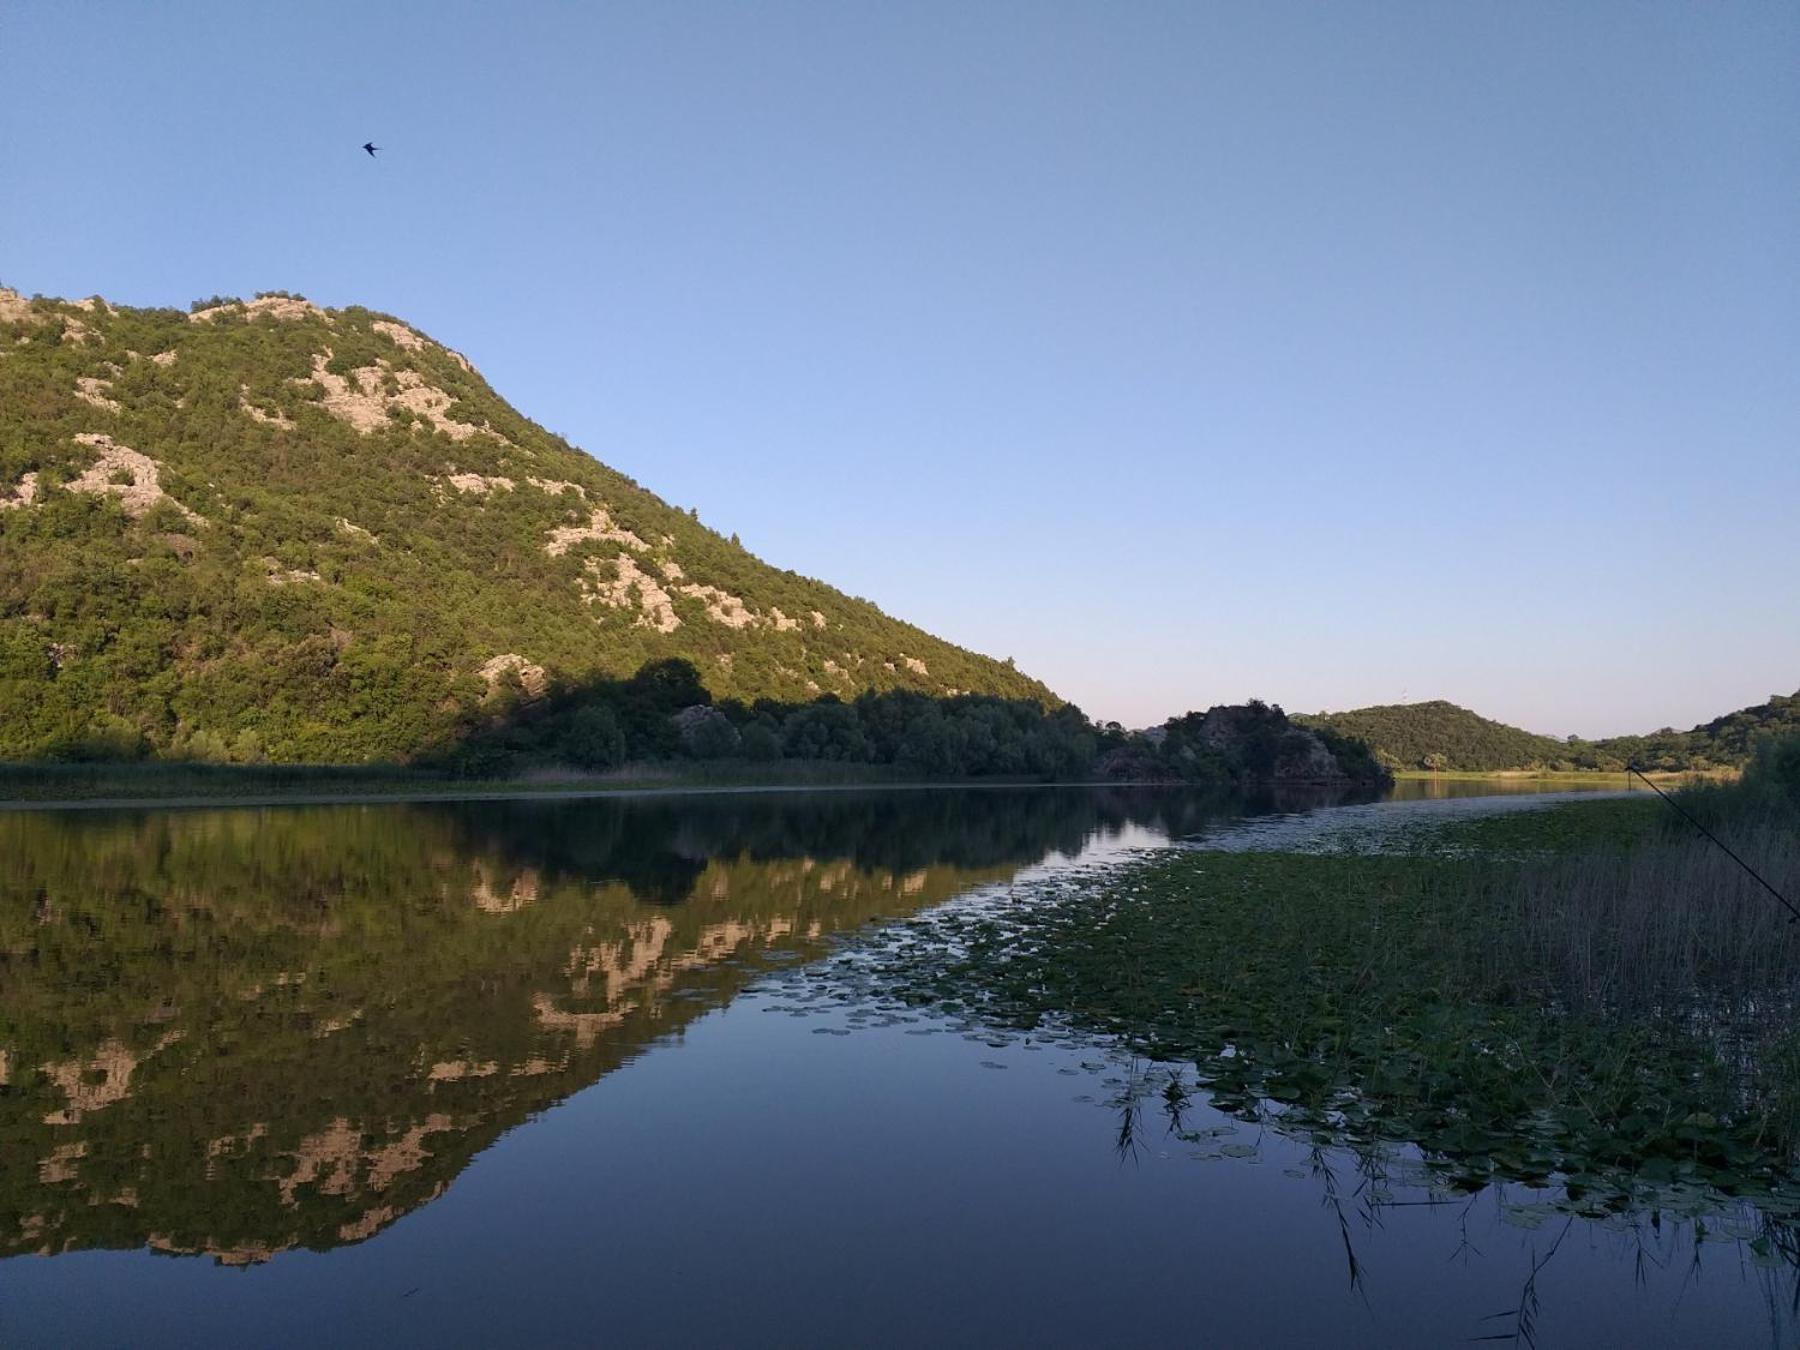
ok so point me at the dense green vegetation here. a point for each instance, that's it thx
(271, 534)
(1728, 741)
(319, 565)
(1440, 735)
(664, 713)
(1590, 997)
(1443, 737)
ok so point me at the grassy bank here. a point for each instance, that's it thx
(1554, 778)
(1590, 995)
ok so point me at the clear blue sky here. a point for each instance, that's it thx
(1185, 352)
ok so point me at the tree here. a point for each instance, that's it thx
(594, 739)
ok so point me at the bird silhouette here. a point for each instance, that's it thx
(371, 147)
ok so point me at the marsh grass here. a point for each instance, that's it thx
(1672, 925)
(1606, 1007)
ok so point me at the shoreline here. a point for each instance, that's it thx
(526, 792)
(428, 793)
(187, 787)
(1554, 776)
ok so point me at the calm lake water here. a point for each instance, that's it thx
(543, 1072)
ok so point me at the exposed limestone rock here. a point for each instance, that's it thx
(476, 485)
(256, 414)
(721, 606)
(332, 1025)
(92, 389)
(362, 398)
(295, 576)
(782, 623)
(356, 530)
(281, 307)
(23, 495)
(15, 308)
(913, 664)
(346, 400)
(138, 496)
(164, 358)
(533, 679)
(413, 341)
(556, 486)
(431, 403)
(399, 334)
(599, 529)
(630, 585)
(818, 619)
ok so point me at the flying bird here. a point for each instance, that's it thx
(371, 147)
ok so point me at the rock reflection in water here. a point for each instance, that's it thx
(238, 1032)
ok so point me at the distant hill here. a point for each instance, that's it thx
(1440, 735)
(1725, 741)
(266, 530)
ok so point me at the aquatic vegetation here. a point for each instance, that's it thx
(1611, 1022)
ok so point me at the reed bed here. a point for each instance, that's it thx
(1614, 1008)
(1664, 926)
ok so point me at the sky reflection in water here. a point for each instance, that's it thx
(479, 1074)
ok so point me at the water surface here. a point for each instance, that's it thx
(490, 1072)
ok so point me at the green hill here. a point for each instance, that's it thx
(1727, 741)
(1440, 735)
(267, 530)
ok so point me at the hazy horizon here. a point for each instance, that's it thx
(1184, 354)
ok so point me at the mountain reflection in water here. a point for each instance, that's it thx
(239, 1032)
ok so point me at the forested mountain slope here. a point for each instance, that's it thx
(268, 530)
